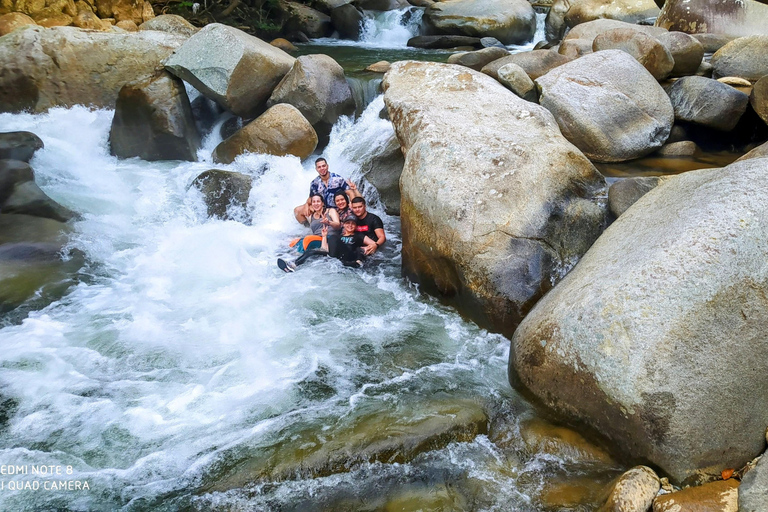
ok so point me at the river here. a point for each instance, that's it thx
(184, 371)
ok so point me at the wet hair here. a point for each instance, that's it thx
(358, 200)
(321, 159)
(342, 194)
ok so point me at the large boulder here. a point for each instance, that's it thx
(514, 78)
(13, 20)
(153, 120)
(648, 51)
(172, 23)
(19, 194)
(566, 14)
(44, 68)
(225, 193)
(745, 57)
(281, 130)
(579, 40)
(686, 51)
(235, 69)
(302, 18)
(707, 102)
(348, 20)
(634, 117)
(735, 18)
(383, 172)
(535, 63)
(496, 204)
(656, 338)
(509, 21)
(718, 496)
(478, 58)
(758, 98)
(625, 192)
(19, 145)
(316, 85)
(753, 491)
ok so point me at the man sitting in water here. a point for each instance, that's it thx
(368, 224)
(327, 184)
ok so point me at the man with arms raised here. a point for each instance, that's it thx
(369, 224)
(326, 184)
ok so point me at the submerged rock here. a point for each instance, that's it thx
(719, 496)
(235, 69)
(19, 145)
(280, 131)
(670, 295)
(564, 443)
(635, 114)
(153, 121)
(223, 190)
(473, 231)
(509, 21)
(514, 78)
(45, 68)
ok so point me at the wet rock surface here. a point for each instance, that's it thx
(225, 192)
(719, 496)
(509, 21)
(19, 145)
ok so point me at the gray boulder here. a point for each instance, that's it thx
(28, 199)
(656, 339)
(745, 57)
(172, 23)
(741, 18)
(227, 65)
(514, 78)
(753, 491)
(758, 152)
(566, 14)
(535, 63)
(707, 102)
(648, 51)
(316, 85)
(153, 121)
(635, 115)
(19, 145)
(348, 20)
(496, 204)
(479, 58)
(225, 193)
(509, 21)
(444, 41)
(625, 192)
(12, 173)
(44, 68)
(713, 42)
(687, 52)
(383, 172)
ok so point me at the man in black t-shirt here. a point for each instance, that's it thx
(368, 224)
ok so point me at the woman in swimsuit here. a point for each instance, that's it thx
(319, 216)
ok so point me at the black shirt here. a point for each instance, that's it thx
(348, 248)
(369, 225)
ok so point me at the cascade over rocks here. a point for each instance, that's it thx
(44, 68)
(153, 121)
(509, 21)
(658, 333)
(648, 51)
(566, 14)
(745, 57)
(535, 63)
(316, 85)
(734, 18)
(635, 114)
(496, 204)
(687, 52)
(707, 102)
(19, 145)
(579, 40)
(280, 131)
(235, 69)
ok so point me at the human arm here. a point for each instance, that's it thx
(369, 246)
(324, 242)
(333, 219)
(352, 191)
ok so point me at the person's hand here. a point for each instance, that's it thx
(307, 212)
(352, 186)
(324, 231)
(370, 249)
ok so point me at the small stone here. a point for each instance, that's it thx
(283, 44)
(379, 67)
(13, 20)
(633, 491)
(682, 148)
(735, 81)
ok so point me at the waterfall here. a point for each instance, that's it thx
(364, 90)
(391, 29)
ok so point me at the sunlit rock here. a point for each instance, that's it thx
(514, 78)
(137, 11)
(509, 21)
(735, 18)
(171, 23)
(580, 39)
(566, 14)
(496, 204)
(479, 58)
(634, 116)
(535, 63)
(281, 130)
(44, 68)
(687, 52)
(225, 192)
(13, 20)
(648, 51)
(720, 496)
(671, 294)
(633, 491)
(231, 67)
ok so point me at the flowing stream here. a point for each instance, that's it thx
(184, 371)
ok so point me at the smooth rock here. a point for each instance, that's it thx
(446, 41)
(579, 40)
(30, 229)
(671, 294)
(494, 236)
(733, 18)
(635, 114)
(719, 496)
(223, 190)
(479, 58)
(707, 102)
(13, 20)
(133, 10)
(535, 63)
(514, 78)
(713, 42)
(88, 20)
(12, 173)
(745, 57)
(758, 152)
(759, 98)
(28, 199)
(509, 21)
(348, 20)
(540, 437)
(566, 14)
(753, 491)
(736, 82)
(625, 192)
(633, 491)
(379, 67)
(153, 121)
(284, 45)
(648, 51)
(171, 23)
(687, 52)
(681, 148)
(19, 145)
(316, 85)
(490, 42)
(227, 65)
(303, 18)
(281, 130)
(45, 68)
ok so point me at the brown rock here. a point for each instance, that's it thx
(686, 51)
(379, 67)
(57, 20)
(477, 59)
(11, 21)
(171, 23)
(127, 25)
(540, 436)
(535, 63)
(30, 6)
(646, 49)
(87, 19)
(281, 130)
(633, 491)
(734, 18)
(147, 13)
(759, 98)
(121, 10)
(283, 44)
(719, 496)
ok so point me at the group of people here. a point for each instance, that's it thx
(341, 225)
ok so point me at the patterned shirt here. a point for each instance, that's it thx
(335, 184)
